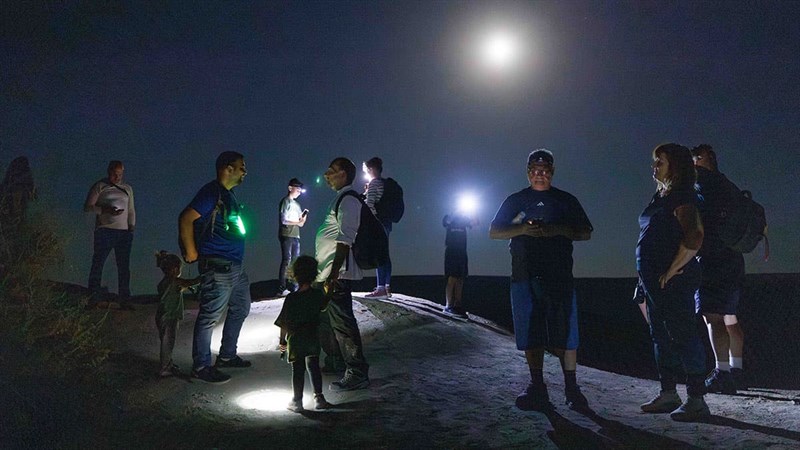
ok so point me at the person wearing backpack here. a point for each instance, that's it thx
(338, 268)
(723, 274)
(374, 194)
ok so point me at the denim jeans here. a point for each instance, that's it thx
(105, 240)
(384, 272)
(290, 250)
(345, 328)
(673, 324)
(223, 283)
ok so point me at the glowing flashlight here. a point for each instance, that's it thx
(467, 204)
(365, 169)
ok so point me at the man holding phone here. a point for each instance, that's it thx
(291, 217)
(111, 201)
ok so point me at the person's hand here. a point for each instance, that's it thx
(190, 256)
(668, 275)
(534, 229)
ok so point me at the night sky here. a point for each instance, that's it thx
(291, 85)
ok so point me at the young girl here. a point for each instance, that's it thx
(170, 308)
(299, 321)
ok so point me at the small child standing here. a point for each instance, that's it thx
(170, 308)
(455, 261)
(299, 323)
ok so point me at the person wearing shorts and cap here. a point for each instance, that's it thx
(291, 218)
(541, 222)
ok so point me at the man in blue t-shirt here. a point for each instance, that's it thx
(542, 221)
(212, 233)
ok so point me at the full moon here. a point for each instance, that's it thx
(499, 50)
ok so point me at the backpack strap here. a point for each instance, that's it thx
(351, 193)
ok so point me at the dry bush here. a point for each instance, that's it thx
(40, 315)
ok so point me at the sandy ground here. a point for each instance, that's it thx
(436, 382)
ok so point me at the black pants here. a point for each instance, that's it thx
(299, 367)
(345, 328)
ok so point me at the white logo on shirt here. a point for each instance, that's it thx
(540, 204)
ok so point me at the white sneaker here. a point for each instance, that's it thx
(378, 293)
(295, 405)
(286, 292)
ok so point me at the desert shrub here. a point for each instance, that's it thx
(39, 313)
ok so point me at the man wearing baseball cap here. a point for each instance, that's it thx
(541, 222)
(291, 218)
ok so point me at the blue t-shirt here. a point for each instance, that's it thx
(660, 233)
(217, 232)
(549, 257)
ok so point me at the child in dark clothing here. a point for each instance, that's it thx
(455, 260)
(299, 323)
(170, 308)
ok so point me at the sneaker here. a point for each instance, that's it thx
(694, 409)
(720, 382)
(388, 291)
(210, 374)
(534, 398)
(455, 311)
(350, 382)
(320, 402)
(285, 292)
(666, 402)
(295, 405)
(236, 363)
(171, 371)
(575, 399)
(379, 294)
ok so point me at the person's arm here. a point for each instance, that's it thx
(374, 193)
(183, 283)
(508, 231)
(282, 340)
(692, 228)
(131, 211)
(90, 205)
(186, 234)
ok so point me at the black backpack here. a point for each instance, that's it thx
(744, 224)
(371, 247)
(390, 206)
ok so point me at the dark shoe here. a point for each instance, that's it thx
(236, 363)
(575, 399)
(666, 402)
(534, 398)
(350, 382)
(320, 402)
(720, 382)
(694, 409)
(210, 374)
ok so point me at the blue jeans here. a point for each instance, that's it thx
(384, 272)
(223, 283)
(105, 240)
(673, 325)
(290, 250)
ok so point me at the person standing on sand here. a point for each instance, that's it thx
(542, 222)
(212, 233)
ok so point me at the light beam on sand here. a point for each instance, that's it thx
(266, 400)
(259, 333)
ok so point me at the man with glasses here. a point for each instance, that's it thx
(212, 233)
(338, 269)
(542, 222)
